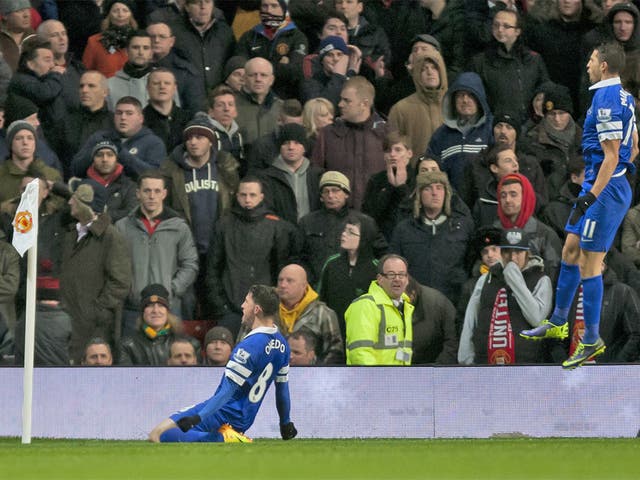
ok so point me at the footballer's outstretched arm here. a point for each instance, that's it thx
(283, 404)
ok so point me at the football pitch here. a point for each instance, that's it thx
(517, 458)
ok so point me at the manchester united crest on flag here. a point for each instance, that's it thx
(25, 222)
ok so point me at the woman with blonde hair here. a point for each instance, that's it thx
(106, 51)
(317, 113)
(156, 329)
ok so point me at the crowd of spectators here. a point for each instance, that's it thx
(399, 171)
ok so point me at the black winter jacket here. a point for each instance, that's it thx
(248, 247)
(279, 195)
(208, 52)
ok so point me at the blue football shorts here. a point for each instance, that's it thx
(598, 226)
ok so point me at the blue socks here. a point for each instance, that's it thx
(568, 282)
(592, 289)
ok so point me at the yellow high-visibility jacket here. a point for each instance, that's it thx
(377, 334)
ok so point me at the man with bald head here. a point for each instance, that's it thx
(300, 309)
(190, 87)
(55, 33)
(258, 107)
(87, 118)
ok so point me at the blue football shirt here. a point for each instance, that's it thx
(610, 117)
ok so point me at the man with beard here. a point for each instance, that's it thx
(108, 172)
(259, 359)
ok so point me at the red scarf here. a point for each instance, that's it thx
(528, 201)
(500, 347)
(92, 173)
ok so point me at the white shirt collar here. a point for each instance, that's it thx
(268, 330)
(605, 83)
(82, 230)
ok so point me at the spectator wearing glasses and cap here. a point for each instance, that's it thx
(379, 327)
(156, 330)
(96, 270)
(323, 228)
(515, 294)
(337, 66)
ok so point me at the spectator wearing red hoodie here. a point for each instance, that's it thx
(516, 204)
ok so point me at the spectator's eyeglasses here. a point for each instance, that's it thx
(506, 26)
(351, 232)
(394, 275)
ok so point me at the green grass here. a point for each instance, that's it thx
(520, 458)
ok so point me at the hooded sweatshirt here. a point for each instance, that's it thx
(201, 185)
(454, 144)
(420, 114)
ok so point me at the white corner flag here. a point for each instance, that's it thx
(25, 223)
(25, 237)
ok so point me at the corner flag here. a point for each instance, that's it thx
(25, 237)
(25, 222)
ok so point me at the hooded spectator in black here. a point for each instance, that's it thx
(347, 275)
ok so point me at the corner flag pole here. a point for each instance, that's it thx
(29, 335)
(25, 238)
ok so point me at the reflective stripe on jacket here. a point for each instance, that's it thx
(377, 334)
